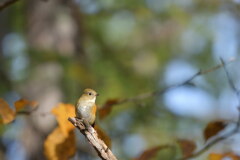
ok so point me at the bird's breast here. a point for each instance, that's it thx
(87, 112)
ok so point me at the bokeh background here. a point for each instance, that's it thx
(51, 50)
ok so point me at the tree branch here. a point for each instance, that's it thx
(216, 139)
(89, 132)
(161, 91)
(7, 3)
(235, 90)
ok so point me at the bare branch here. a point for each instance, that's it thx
(216, 139)
(89, 132)
(160, 92)
(213, 141)
(230, 81)
(236, 91)
(7, 3)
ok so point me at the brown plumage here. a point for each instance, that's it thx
(86, 107)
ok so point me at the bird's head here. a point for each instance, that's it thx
(89, 95)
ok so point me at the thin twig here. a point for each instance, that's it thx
(216, 139)
(160, 92)
(230, 81)
(7, 3)
(235, 90)
(89, 132)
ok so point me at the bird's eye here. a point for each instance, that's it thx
(89, 93)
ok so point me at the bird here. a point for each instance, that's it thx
(85, 107)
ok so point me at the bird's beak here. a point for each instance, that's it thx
(97, 94)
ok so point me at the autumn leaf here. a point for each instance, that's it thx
(107, 107)
(215, 156)
(103, 136)
(57, 146)
(213, 128)
(7, 114)
(152, 152)
(187, 146)
(23, 103)
(62, 112)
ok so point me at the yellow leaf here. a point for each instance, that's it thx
(62, 112)
(57, 146)
(22, 103)
(7, 114)
(216, 156)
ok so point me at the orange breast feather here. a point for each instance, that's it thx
(94, 109)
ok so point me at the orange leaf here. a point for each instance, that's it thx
(57, 146)
(7, 114)
(107, 107)
(150, 153)
(215, 156)
(213, 128)
(62, 112)
(187, 146)
(23, 103)
(103, 136)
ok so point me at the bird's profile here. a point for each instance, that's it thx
(86, 107)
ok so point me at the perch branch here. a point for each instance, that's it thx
(89, 132)
(7, 3)
(216, 139)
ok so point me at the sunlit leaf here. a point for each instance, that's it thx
(103, 136)
(62, 112)
(187, 146)
(152, 152)
(57, 146)
(23, 103)
(7, 114)
(213, 128)
(214, 156)
(217, 156)
(107, 107)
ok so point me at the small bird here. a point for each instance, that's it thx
(86, 107)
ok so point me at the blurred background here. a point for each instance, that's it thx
(50, 50)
